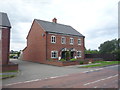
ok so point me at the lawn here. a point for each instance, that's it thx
(102, 63)
(8, 74)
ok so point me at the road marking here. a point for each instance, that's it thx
(23, 82)
(100, 80)
(35, 80)
(93, 70)
(58, 76)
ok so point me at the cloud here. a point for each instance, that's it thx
(95, 19)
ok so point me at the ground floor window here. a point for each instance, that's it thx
(54, 54)
(78, 53)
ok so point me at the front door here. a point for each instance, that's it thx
(63, 55)
(72, 55)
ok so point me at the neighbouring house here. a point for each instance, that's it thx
(51, 41)
(5, 27)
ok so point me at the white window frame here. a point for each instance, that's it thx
(53, 39)
(71, 41)
(78, 42)
(52, 52)
(80, 55)
(63, 40)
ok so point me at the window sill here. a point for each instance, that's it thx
(53, 42)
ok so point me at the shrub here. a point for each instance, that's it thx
(81, 62)
(67, 55)
(11, 56)
(73, 59)
(62, 60)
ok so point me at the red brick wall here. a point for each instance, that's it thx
(58, 46)
(5, 45)
(36, 44)
(9, 67)
(39, 46)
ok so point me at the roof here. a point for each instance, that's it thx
(58, 28)
(4, 21)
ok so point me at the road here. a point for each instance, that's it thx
(106, 77)
(31, 71)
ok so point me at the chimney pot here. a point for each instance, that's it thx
(54, 20)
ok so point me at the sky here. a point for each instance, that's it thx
(97, 20)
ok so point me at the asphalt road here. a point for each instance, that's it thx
(30, 71)
(106, 77)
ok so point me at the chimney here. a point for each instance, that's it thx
(54, 20)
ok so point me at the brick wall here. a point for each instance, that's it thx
(9, 67)
(58, 46)
(36, 44)
(5, 45)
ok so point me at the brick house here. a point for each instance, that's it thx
(52, 41)
(5, 27)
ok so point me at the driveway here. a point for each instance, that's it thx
(31, 71)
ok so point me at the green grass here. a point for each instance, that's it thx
(102, 63)
(6, 76)
(73, 59)
(9, 71)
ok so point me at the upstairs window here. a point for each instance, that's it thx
(63, 40)
(53, 39)
(78, 53)
(54, 54)
(71, 40)
(79, 41)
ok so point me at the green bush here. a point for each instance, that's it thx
(11, 56)
(62, 60)
(81, 62)
(67, 55)
(73, 59)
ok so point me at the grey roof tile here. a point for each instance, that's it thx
(58, 28)
(4, 21)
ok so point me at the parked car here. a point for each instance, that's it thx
(15, 57)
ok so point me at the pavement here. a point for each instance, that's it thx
(32, 74)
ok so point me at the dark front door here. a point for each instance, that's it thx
(72, 55)
(63, 55)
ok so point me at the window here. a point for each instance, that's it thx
(54, 54)
(53, 39)
(71, 40)
(78, 53)
(63, 40)
(0, 34)
(79, 41)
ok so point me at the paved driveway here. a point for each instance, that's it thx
(31, 71)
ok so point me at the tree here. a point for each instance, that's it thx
(89, 51)
(109, 46)
(112, 47)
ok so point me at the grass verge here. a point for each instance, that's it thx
(102, 64)
(7, 75)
